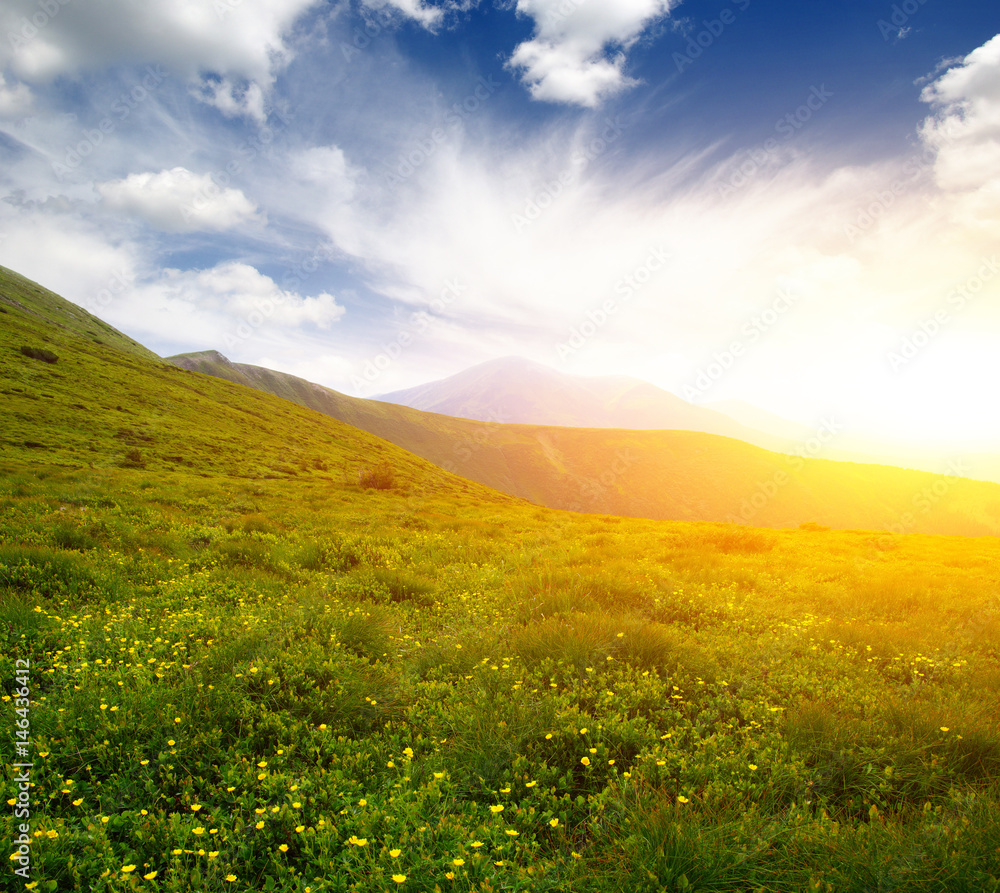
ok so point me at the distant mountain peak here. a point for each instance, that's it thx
(517, 390)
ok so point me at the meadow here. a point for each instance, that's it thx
(252, 664)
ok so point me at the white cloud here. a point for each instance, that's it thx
(577, 54)
(231, 307)
(965, 134)
(15, 99)
(429, 15)
(417, 10)
(239, 290)
(178, 201)
(326, 166)
(244, 40)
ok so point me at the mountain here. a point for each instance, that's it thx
(659, 474)
(519, 391)
(516, 390)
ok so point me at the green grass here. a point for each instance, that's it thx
(245, 665)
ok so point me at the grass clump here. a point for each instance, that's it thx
(377, 477)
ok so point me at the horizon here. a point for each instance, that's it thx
(789, 206)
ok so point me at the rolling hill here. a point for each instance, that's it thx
(676, 475)
(80, 396)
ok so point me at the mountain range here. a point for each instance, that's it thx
(69, 376)
(515, 390)
(655, 473)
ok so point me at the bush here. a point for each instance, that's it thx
(133, 459)
(40, 353)
(378, 477)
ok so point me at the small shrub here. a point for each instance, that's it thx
(40, 353)
(133, 459)
(378, 477)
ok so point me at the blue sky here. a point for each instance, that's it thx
(792, 204)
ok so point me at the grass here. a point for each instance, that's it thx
(248, 672)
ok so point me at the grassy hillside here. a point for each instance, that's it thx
(233, 668)
(58, 317)
(90, 408)
(669, 475)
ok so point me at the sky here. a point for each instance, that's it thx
(796, 205)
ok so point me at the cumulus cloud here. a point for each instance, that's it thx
(239, 291)
(577, 54)
(178, 201)
(231, 307)
(241, 39)
(964, 132)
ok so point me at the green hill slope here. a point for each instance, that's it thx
(89, 404)
(61, 316)
(227, 666)
(670, 475)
